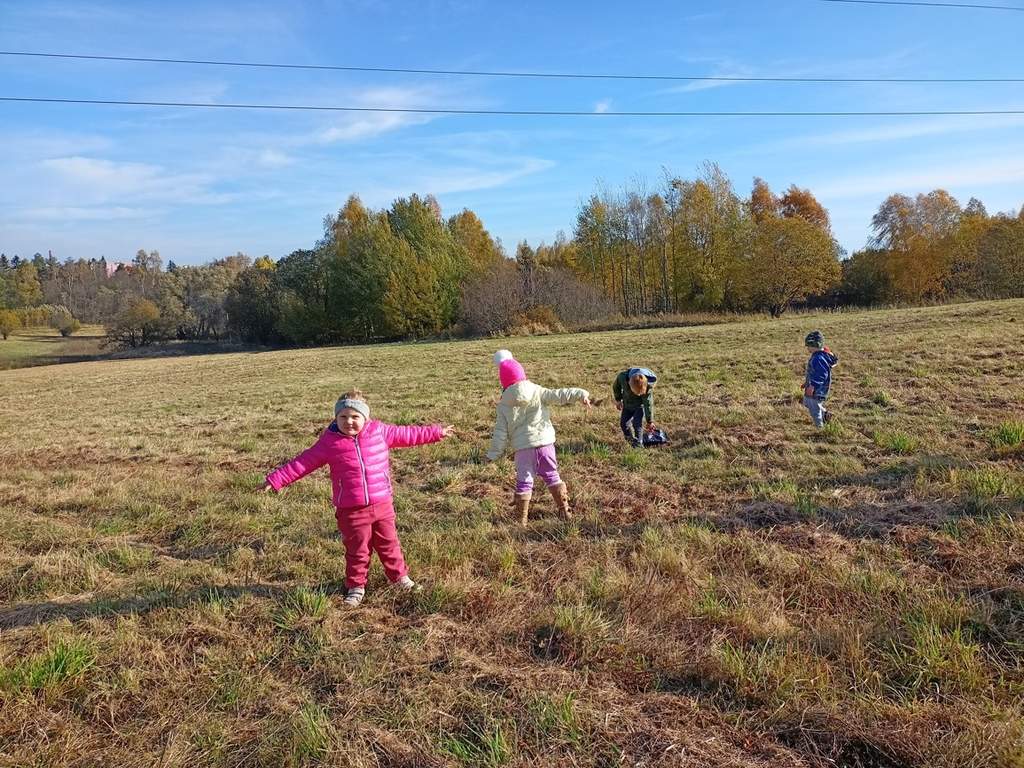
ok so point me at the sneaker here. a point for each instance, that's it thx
(827, 417)
(633, 442)
(408, 584)
(354, 596)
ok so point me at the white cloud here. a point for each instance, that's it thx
(354, 126)
(84, 213)
(451, 178)
(1008, 169)
(96, 181)
(366, 125)
(603, 106)
(272, 158)
(905, 130)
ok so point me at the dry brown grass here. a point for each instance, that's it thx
(755, 594)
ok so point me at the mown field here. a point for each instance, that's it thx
(755, 594)
(45, 346)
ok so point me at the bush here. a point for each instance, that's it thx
(9, 320)
(70, 328)
(62, 320)
(493, 302)
(137, 325)
(502, 301)
(538, 321)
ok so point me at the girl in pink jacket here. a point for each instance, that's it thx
(357, 451)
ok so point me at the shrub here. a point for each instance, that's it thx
(137, 325)
(8, 322)
(63, 321)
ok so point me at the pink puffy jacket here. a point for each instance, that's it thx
(360, 466)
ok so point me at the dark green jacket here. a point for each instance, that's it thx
(629, 400)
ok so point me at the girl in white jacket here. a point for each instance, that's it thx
(523, 419)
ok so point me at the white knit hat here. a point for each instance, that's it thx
(501, 356)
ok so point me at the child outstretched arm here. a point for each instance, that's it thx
(411, 435)
(308, 461)
(564, 396)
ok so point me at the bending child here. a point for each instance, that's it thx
(357, 449)
(634, 397)
(523, 420)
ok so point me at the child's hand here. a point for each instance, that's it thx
(618, 405)
(809, 391)
(650, 426)
(586, 402)
(267, 488)
(448, 430)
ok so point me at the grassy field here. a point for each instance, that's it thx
(44, 346)
(755, 594)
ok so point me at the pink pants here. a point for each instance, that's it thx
(540, 462)
(366, 529)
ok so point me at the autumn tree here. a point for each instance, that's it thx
(23, 285)
(137, 325)
(252, 305)
(441, 263)
(9, 322)
(918, 235)
(1000, 265)
(800, 203)
(865, 278)
(793, 259)
(763, 202)
(481, 251)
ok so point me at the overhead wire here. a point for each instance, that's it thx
(524, 112)
(513, 73)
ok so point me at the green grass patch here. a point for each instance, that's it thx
(896, 441)
(302, 607)
(487, 745)
(633, 459)
(67, 660)
(1008, 434)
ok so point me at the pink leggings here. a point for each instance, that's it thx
(366, 529)
(540, 462)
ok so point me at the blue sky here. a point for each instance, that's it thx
(196, 184)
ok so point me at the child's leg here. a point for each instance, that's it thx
(634, 415)
(638, 422)
(356, 527)
(526, 468)
(547, 469)
(384, 540)
(817, 410)
(547, 465)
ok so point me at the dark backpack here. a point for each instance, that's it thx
(655, 438)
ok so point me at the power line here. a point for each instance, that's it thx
(524, 112)
(929, 5)
(503, 73)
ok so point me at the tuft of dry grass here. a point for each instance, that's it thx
(757, 593)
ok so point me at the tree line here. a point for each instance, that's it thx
(409, 272)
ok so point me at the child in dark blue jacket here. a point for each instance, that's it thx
(818, 379)
(633, 390)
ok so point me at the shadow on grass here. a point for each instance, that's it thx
(29, 614)
(174, 349)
